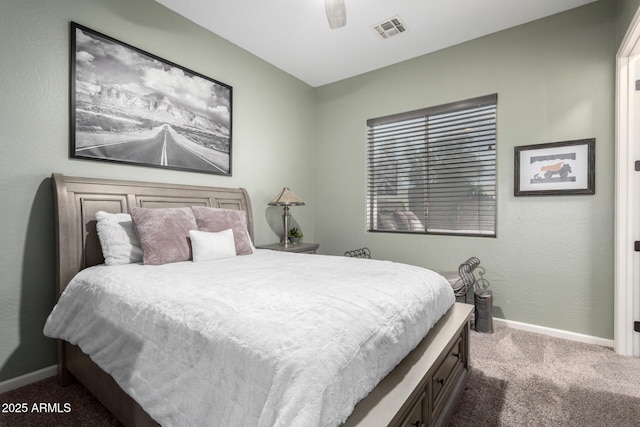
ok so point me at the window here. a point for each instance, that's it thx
(434, 170)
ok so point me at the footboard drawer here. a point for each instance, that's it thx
(444, 373)
(418, 414)
(447, 374)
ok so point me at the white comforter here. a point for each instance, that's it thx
(269, 339)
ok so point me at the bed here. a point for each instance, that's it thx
(422, 389)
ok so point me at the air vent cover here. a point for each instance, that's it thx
(390, 27)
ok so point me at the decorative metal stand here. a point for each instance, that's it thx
(467, 277)
(359, 253)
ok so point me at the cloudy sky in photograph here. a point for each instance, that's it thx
(101, 62)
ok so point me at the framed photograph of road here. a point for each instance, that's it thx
(129, 106)
(558, 168)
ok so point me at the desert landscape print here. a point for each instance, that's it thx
(130, 106)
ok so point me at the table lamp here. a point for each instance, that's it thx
(286, 198)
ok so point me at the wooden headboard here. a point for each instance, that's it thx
(78, 199)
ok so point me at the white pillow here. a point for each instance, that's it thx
(118, 238)
(208, 246)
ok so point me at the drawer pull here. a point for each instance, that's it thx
(440, 381)
(418, 423)
(456, 355)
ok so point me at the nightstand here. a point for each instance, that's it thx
(303, 248)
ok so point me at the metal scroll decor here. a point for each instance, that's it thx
(559, 168)
(130, 106)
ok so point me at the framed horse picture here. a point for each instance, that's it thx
(558, 168)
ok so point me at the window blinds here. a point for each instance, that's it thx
(434, 170)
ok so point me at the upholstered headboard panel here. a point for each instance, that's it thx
(78, 199)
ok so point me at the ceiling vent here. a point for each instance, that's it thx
(390, 27)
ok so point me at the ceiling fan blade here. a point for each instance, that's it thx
(336, 13)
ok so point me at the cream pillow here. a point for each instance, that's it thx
(118, 238)
(208, 246)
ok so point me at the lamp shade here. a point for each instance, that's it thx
(286, 198)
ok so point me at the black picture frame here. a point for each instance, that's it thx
(554, 169)
(130, 106)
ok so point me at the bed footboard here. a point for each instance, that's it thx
(426, 386)
(103, 387)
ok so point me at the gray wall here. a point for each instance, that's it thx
(552, 262)
(273, 125)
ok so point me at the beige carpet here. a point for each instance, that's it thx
(525, 379)
(518, 379)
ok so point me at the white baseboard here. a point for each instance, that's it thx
(27, 379)
(558, 333)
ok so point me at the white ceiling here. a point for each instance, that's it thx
(294, 35)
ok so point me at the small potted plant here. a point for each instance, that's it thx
(294, 235)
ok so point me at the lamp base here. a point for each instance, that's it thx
(286, 243)
(285, 225)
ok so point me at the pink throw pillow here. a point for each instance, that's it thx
(164, 233)
(217, 219)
